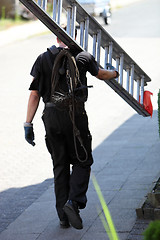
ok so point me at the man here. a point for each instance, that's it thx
(70, 188)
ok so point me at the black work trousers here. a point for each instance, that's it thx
(59, 141)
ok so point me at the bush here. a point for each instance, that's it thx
(153, 231)
(159, 111)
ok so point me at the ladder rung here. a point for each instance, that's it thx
(86, 34)
(132, 79)
(142, 90)
(82, 33)
(138, 89)
(117, 65)
(73, 21)
(59, 11)
(68, 20)
(94, 45)
(98, 45)
(110, 52)
(44, 5)
(54, 9)
(121, 68)
(128, 79)
(105, 56)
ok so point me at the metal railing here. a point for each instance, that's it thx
(132, 81)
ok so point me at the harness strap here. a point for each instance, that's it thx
(72, 75)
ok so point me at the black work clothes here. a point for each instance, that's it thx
(60, 144)
(59, 134)
(42, 71)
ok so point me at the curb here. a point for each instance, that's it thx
(150, 206)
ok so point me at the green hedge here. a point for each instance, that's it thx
(159, 111)
(153, 231)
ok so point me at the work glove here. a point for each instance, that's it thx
(109, 66)
(29, 134)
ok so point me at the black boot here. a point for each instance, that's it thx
(64, 224)
(72, 212)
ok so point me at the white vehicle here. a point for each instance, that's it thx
(98, 8)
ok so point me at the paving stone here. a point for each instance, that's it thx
(12, 207)
(135, 237)
(11, 236)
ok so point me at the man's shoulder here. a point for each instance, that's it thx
(53, 50)
(85, 54)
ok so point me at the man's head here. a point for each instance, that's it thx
(61, 44)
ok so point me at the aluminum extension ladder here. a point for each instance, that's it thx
(130, 85)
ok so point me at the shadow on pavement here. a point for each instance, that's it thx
(125, 153)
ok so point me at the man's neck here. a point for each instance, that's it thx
(62, 45)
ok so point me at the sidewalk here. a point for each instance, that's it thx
(126, 165)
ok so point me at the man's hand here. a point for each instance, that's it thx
(109, 66)
(29, 134)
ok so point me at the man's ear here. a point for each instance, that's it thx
(58, 40)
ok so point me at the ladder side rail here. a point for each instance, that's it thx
(39, 2)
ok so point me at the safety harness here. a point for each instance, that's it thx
(65, 65)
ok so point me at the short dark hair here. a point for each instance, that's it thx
(64, 26)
